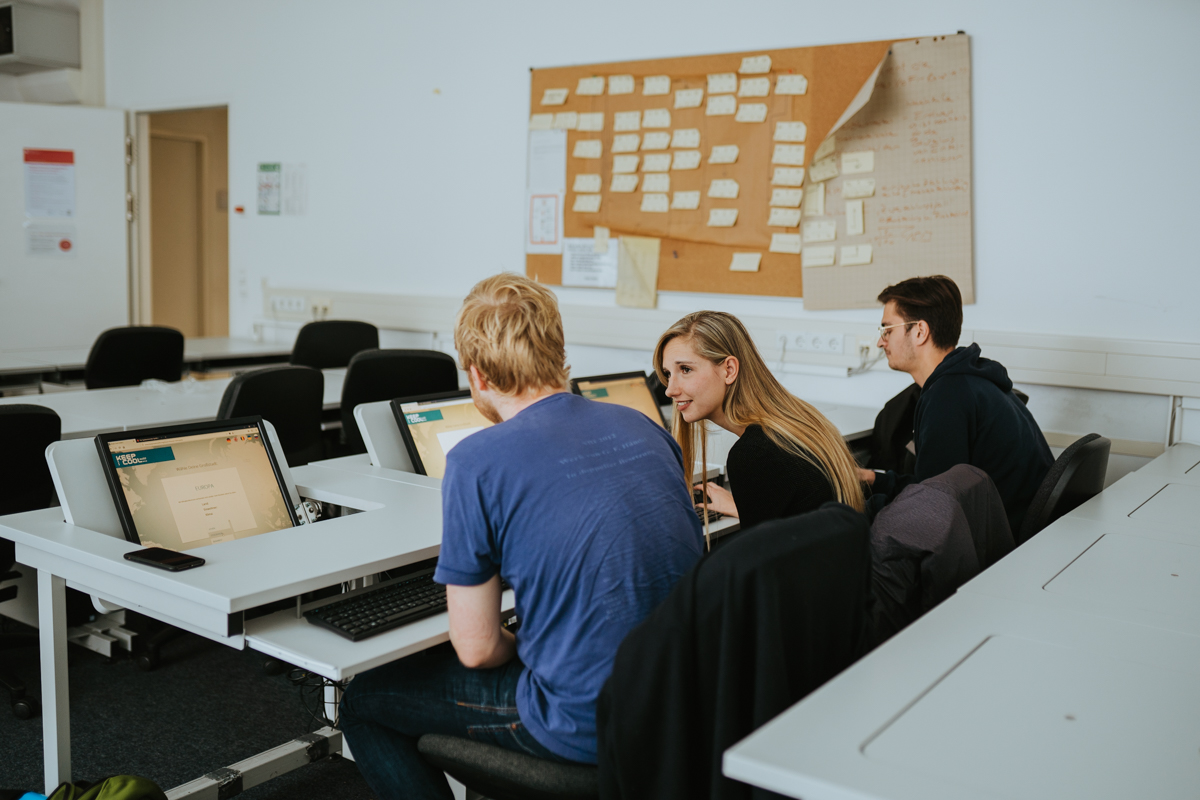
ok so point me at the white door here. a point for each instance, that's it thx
(63, 277)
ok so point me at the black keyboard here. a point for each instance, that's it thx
(383, 606)
(713, 516)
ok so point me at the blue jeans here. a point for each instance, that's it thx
(385, 710)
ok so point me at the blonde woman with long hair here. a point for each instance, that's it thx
(788, 459)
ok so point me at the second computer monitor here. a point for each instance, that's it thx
(433, 424)
(630, 389)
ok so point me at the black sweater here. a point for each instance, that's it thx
(770, 483)
(967, 414)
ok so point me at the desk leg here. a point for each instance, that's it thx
(56, 711)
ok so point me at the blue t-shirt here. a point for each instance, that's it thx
(581, 506)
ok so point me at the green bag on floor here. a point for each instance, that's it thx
(118, 787)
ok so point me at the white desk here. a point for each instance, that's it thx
(88, 412)
(853, 422)
(401, 525)
(225, 349)
(1068, 669)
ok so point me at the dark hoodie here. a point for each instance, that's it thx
(967, 414)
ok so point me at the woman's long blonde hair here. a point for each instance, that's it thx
(757, 398)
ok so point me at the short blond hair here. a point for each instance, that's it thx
(510, 330)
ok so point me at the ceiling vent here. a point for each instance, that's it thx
(35, 38)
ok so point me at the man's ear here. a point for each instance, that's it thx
(477, 379)
(923, 332)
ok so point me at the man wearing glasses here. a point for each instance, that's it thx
(967, 412)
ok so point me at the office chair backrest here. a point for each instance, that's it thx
(127, 356)
(25, 481)
(386, 374)
(331, 343)
(290, 398)
(1075, 477)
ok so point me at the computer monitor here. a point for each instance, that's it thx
(433, 424)
(188, 486)
(631, 389)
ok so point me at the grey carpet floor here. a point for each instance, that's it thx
(206, 707)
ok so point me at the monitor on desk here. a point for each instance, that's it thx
(433, 424)
(188, 486)
(630, 389)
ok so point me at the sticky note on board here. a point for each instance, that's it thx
(600, 239)
(784, 218)
(790, 131)
(791, 84)
(586, 203)
(686, 137)
(541, 122)
(620, 84)
(626, 143)
(788, 176)
(787, 198)
(723, 154)
(555, 97)
(856, 255)
(856, 163)
(623, 182)
(625, 164)
(587, 148)
(686, 159)
(755, 65)
(754, 87)
(722, 83)
(814, 200)
(859, 187)
(656, 182)
(656, 118)
(658, 140)
(590, 85)
(689, 98)
(823, 170)
(627, 120)
(826, 149)
(637, 271)
(720, 105)
(820, 230)
(745, 262)
(792, 154)
(585, 182)
(687, 201)
(655, 203)
(656, 162)
(823, 256)
(723, 188)
(854, 219)
(722, 217)
(656, 84)
(751, 112)
(785, 243)
(591, 121)
(566, 120)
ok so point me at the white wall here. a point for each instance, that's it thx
(412, 116)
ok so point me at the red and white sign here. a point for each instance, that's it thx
(49, 183)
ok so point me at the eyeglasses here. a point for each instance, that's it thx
(886, 330)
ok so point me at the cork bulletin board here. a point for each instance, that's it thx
(744, 131)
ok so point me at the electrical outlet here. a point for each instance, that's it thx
(834, 343)
(288, 304)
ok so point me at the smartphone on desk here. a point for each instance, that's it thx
(163, 558)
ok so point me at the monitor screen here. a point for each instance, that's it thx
(629, 389)
(432, 425)
(189, 486)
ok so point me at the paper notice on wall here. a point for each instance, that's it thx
(544, 226)
(637, 271)
(294, 189)
(546, 186)
(54, 239)
(584, 264)
(547, 161)
(49, 183)
(270, 189)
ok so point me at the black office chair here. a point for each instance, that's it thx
(505, 774)
(290, 398)
(25, 485)
(1075, 477)
(376, 375)
(332, 343)
(127, 356)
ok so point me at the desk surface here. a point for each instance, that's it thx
(204, 348)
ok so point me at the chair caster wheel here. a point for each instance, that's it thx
(147, 662)
(273, 666)
(25, 708)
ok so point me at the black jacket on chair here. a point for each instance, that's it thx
(749, 631)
